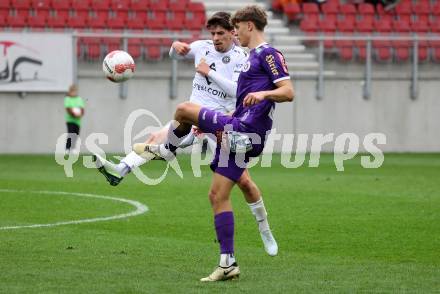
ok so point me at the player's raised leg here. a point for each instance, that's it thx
(219, 196)
(255, 202)
(186, 115)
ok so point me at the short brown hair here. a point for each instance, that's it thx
(221, 19)
(251, 13)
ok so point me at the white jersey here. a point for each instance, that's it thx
(206, 92)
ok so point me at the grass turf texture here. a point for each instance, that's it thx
(361, 230)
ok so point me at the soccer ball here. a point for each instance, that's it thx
(76, 111)
(118, 66)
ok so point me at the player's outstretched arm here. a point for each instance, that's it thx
(179, 50)
(283, 93)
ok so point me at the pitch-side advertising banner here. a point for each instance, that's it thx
(35, 62)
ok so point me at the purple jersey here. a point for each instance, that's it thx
(265, 67)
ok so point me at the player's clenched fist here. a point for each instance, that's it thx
(254, 98)
(181, 48)
(203, 68)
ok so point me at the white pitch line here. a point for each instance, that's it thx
(140, 209)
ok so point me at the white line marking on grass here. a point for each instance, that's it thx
(140, 209)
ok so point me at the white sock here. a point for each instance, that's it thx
(226, 259)
(129, 162)
(259, 211)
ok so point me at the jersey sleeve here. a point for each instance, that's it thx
(274, 64)
(194, 48)
(67, 102)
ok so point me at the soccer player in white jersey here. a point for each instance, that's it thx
(218, 64)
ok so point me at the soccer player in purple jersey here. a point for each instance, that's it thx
(264, 80)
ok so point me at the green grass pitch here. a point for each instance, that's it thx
(362, 230)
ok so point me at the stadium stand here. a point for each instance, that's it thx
(106, 16)
(337, 17)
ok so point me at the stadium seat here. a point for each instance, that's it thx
(60, 4)
(435, 9)
(161, 5)
(330, 7)
(135, 47)
(198, 11)
(310, 8)
(76, 21)
(119, 5)
(177, 5)
(97, 19)
(116, 21)
(152, 49)
(41, 4)
(292, 11)
(100, 4)
(136, 20)
(16, 21)
(22, 4)
(364, 26)
(38, 19)
(56, 21)
(5, 4)
(139, 5)
(383, 26)
(155, 20)
(192, 23)
(80, 4)
(111, 44)
(92, 48)
(347, 8)
(382, 49)
(345, 49)
(366, 9)
(175, 20)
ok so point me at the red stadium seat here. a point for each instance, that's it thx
(38, 19)
(56, 21)
(383, 26)
(136, 20)
(152, 49)
(435, 8)
(141, 5)
(345, 26)
(118, 5)
(16, 21)
(309, 25)
(310, 8)
(177, 5)
(364, 26)
(403, 8)
(161, 5)
(92, 48)
(421, 8)
(345, 49)
(155, 20)
(198, 11)
(22, 4)
(134, 47)
(292, 11)
(330, 7)
(97, 20)
(60, 4)
(382, 49)
(419, 26)
(100, 4)
(76, 21)
(80, 4)
(347, 8)
(111, 44)
(117, 21)
(401, 26)
(5, 4)
(435, 25)
(41, 4)
(175, 20)
(366, 9)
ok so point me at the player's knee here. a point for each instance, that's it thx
(213, 197)
(181, 111)
(245, 184)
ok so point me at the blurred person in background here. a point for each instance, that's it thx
(74, 106)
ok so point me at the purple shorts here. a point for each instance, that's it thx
(230, 165)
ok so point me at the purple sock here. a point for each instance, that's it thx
(224, 227)
(175, 137)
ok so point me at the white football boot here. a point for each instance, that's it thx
(148, 151)
(270, 245)
(223, 274)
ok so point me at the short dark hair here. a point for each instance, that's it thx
(252, 13)
(221, 19)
